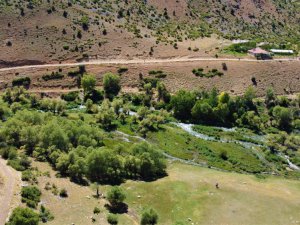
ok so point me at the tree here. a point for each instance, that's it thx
(270, 98)
(106, 115)
(248, 97)
(88, 83)
(151, 162)
(116, 197)
(111, 85)
(102, 165)
(23, 216)
(202, 112)
(182, 104)
(284, 117)
(163, 93)
(149, 217)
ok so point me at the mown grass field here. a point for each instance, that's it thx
(187, 196)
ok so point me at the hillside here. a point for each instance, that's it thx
(40, 31)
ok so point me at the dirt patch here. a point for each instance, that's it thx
(4, 64)
(10, 184)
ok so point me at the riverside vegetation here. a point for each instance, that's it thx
(108, 137)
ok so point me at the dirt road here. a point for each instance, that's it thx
(146, 61)
(8, 191)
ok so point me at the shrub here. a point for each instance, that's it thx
(96, 210)
(63, 193)
(31, 195)
(52, 76)
(23, 216)
(116, 196)
(45, 214)
(71, 96)
(22, 81)
(122, 70)
(149, 217)
(112, 219)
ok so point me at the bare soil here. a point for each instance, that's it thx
(283, 76)
(10, 186)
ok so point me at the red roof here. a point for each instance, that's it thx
(258, 51)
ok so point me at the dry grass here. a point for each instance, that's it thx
(282, 76)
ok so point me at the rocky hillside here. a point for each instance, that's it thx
(37, 31)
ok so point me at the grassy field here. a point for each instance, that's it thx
(187, 196)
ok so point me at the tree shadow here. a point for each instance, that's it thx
(119, 209)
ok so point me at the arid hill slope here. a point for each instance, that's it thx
(40, 31)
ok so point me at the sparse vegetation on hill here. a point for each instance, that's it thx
(86, 29)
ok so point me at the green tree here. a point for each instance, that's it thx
(23, 216)
(284, 117)
(104, 166)
(270, 98)
(182, 104)
(149, 217)
(152, 163)
(106, 116)
(111, 85)
(88, 83)
(202, 112)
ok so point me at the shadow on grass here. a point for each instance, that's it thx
(119, 209)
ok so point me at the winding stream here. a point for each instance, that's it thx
(189, 128)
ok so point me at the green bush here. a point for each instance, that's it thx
(23, 216)
(97, 210)
(31, 195)
(112, 219)
(149, 217)
(71, 96)
(53, 76)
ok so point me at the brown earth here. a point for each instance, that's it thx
(44, 34)
(282, 76)
(10, 186)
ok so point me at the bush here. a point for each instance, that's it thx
(96, 210)
(242, 47)
(71, 96)
(63, 193)
(116, 196)
(23, 216)
(31, 195)
(149, 217)
(22, 81)
(122, 70)
(112, 219)
(53, 76)
(45, 214)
